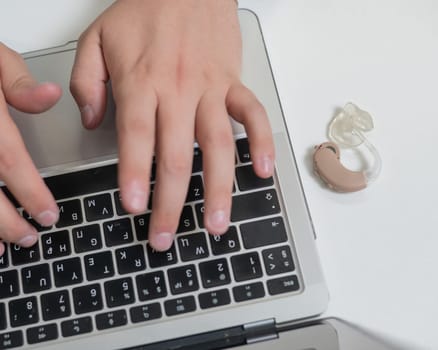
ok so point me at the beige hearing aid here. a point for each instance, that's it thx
(346, 130)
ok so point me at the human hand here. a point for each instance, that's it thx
(175, 74)
(17, 171)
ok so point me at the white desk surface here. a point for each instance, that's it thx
(379, 247)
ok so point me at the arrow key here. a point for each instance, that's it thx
(76, 327)
(42, 333)
(278, 260)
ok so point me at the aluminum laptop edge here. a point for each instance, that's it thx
(59, 144)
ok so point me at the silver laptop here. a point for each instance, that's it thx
(93, 282)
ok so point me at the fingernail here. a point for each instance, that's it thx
(28, 241)
(136, 198)
(87, 115)
(47, 218)
(219, 219)
(163, 241)
(267, 165)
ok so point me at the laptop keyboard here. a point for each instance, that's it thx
(95, 271)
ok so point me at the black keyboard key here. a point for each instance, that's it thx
(226, 243)
(99, 265)
(70, 213)
(248, 180)
(200, 209)
(56, 244)
(145, 313)
(118, 203)
(264, 232)
(248, 292)
(11, 340)
(151, 286)
(4, 259)
(87, 238)
(20, 255)
(254, 205)
(183, 279)
(187, 220)
(35, 224)
(196, 189)
(283, 285)
(243, 150)
(214, 299)
(197, 161)
(98, 207)
(9, 286)
(278, 260)
(67, 272)
(42, 333)
(130, 259)
(215, 273)
(192, 247)
(36, 278)
(246, 266)
(180, 306)
(111, 319)
(55, 305)
(119, 292)
(77, 326)
(3, 324)
(23, 312)
(87, 299)
(159, 259)
(141, 223)
(118, 232)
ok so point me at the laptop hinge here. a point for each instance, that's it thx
(260, 331)
(221, 339)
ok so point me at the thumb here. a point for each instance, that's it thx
(20, 89)
(88, 80)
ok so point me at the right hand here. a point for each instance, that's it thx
(175, 70)
(17, 171)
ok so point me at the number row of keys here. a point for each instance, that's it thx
(181, 280)
(24, 312)
(131, 259)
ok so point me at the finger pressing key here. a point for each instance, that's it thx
(215, 136)
(244, 106)
(174, 166)
(136, 136)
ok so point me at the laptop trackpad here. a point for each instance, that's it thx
(57, 136)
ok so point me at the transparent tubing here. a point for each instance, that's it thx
(373, 172)
(346, 130)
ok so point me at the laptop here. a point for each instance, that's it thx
(92, 281)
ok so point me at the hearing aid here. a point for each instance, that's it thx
(346, 130)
